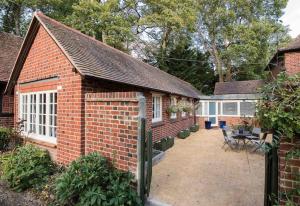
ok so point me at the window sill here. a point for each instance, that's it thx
(174, 120)
(39, 142)
(157, 124)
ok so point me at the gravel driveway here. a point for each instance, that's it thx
(197, 171)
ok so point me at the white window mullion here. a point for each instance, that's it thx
(47, 114)
(238, 108)
(37, 106)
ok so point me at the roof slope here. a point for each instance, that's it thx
(9, 48)
(294, 45)
(93, 58)
(238, 87)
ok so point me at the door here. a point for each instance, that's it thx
(212, 113)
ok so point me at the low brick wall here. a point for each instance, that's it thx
(288, 170)
(111, 127)
(6, 120)
(230, 121)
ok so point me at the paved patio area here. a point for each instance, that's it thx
(197, 171)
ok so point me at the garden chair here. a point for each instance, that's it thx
(259, 143)
(228, 139)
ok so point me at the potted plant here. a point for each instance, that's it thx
(172, 109)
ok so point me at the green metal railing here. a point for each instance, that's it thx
(146, 162)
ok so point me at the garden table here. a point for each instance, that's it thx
(241, 136)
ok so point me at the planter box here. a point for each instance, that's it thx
(184, 133)
(170, 142)
(194, 128)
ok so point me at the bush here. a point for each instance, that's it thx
(27, 167)
(90, 180)
(279, 108)
(4, 138)
(194, 128)
(184, 133)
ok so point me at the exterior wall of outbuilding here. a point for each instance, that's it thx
(92, 114)
(168, 126)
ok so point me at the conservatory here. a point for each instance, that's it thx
(231, 102)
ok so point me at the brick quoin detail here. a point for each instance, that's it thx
(111, 121)
(288, 171)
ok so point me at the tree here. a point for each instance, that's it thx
(161, 20)
(240, 34)
(15, 15)
(188, 63)
(109, 21)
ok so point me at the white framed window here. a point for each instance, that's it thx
(230, 108)
(39, 112)
(199, 111)
(156, 108)
(247, 108)
(183, 114)
(173, 103)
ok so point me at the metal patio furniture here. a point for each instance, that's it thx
(259, 143)
(228, 139)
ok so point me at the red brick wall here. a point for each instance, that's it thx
(288, 170)
(45, 59)
(229, 120)
(168, 126)
(111, 120)
(292, 62)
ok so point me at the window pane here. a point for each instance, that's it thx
(212, 108)
(230, 108)
(247, 108)
(199, 109)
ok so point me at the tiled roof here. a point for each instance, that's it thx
(294, 45)
(93, 58)
(238, 87)
(9, 48)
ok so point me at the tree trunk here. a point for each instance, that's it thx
(218, 63)
(163, 46)
(17, 17)
(228, 76)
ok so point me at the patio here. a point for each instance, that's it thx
(197, 171)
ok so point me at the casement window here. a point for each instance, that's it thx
(230, 108)
(199, 111)
(183, 114)
(156, 108)
(247, 108)
(38, 111)
(174, 103)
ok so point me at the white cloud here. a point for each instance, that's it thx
(291, 17)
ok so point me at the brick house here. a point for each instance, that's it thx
(232, 102)
(79, 95)
(287, 59)
(9, 48)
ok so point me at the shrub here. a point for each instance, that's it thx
(90, 180)
(4, 138)
(184, 133)
(194, 128)
(279, 108)
(27, 167)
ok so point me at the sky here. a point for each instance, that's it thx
(292, 17)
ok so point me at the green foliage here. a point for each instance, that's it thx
(188, 63)
(241, 35)
(26, 167)
(280, 106)
(109, 21)
(194, 128)
(184, 133)
(4, 138)
(90, 180)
